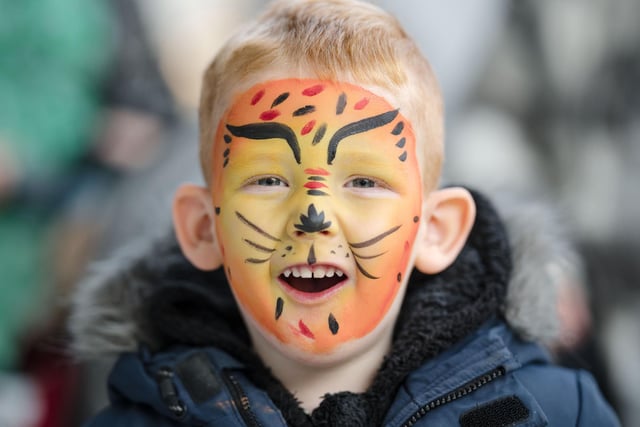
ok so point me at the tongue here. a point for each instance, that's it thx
(312, 285)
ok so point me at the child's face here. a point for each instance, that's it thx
(318, 199)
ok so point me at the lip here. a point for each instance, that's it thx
(318, 271)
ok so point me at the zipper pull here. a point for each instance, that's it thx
(168, 392)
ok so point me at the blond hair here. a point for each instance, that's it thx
(336, 40)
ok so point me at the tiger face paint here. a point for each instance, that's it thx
(317, 193)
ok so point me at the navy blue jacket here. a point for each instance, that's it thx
(490, 379)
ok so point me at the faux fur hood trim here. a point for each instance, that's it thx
(110, 315)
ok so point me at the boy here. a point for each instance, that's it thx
(321, 144)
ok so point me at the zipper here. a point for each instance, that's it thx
(240, 399)
(462, 391)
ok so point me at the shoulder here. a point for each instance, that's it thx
(566, 396)
(184, 386)
(494, 378)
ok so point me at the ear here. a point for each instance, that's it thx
(448, 216)
(195, 228)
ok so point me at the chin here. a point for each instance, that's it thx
(299, 351)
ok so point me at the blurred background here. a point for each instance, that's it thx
(98, 127)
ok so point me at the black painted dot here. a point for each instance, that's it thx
(342, 103)
(399, 277)
(398, 129)
(333, 324)
(227, 139)
(217, 210)
(319, 134)
(279, 307)
(416, 218)
(280, 99)
(226, 152)
(307, 109)
(401, 143)
(311, 258)
(403, 157)
(289, 248)
(226, 162)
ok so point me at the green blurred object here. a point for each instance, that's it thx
(53, 57)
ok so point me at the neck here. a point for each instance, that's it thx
(310, 381)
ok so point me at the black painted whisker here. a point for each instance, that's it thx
(365, 272)
(376, 239)
(368, 256)
(256, 261)
(255, 227)
(258, 247)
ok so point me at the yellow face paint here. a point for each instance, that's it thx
(317, 194)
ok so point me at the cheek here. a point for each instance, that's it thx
(360, 311)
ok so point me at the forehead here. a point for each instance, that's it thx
(296, 100)
(310, 113)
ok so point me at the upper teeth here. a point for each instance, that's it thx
(317, 272)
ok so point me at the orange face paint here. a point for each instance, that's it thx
(318, 197)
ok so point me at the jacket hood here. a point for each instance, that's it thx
(112, 309)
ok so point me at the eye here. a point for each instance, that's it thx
(368, 187)
(265, 184)
(270, 181)
(364, 182)
(361, 182)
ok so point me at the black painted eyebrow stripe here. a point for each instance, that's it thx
(255, 227)
(267, 131)
(354, 128)
(375, 239)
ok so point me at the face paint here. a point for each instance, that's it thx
(317, 190)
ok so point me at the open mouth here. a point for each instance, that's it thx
(312, 279)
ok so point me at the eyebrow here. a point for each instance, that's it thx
(259, 131)
(354, 128)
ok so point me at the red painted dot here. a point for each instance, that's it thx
(304, 329)
(361, 104)
(308, 127)
(269, 115)
(257, 97)
(313, 90)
